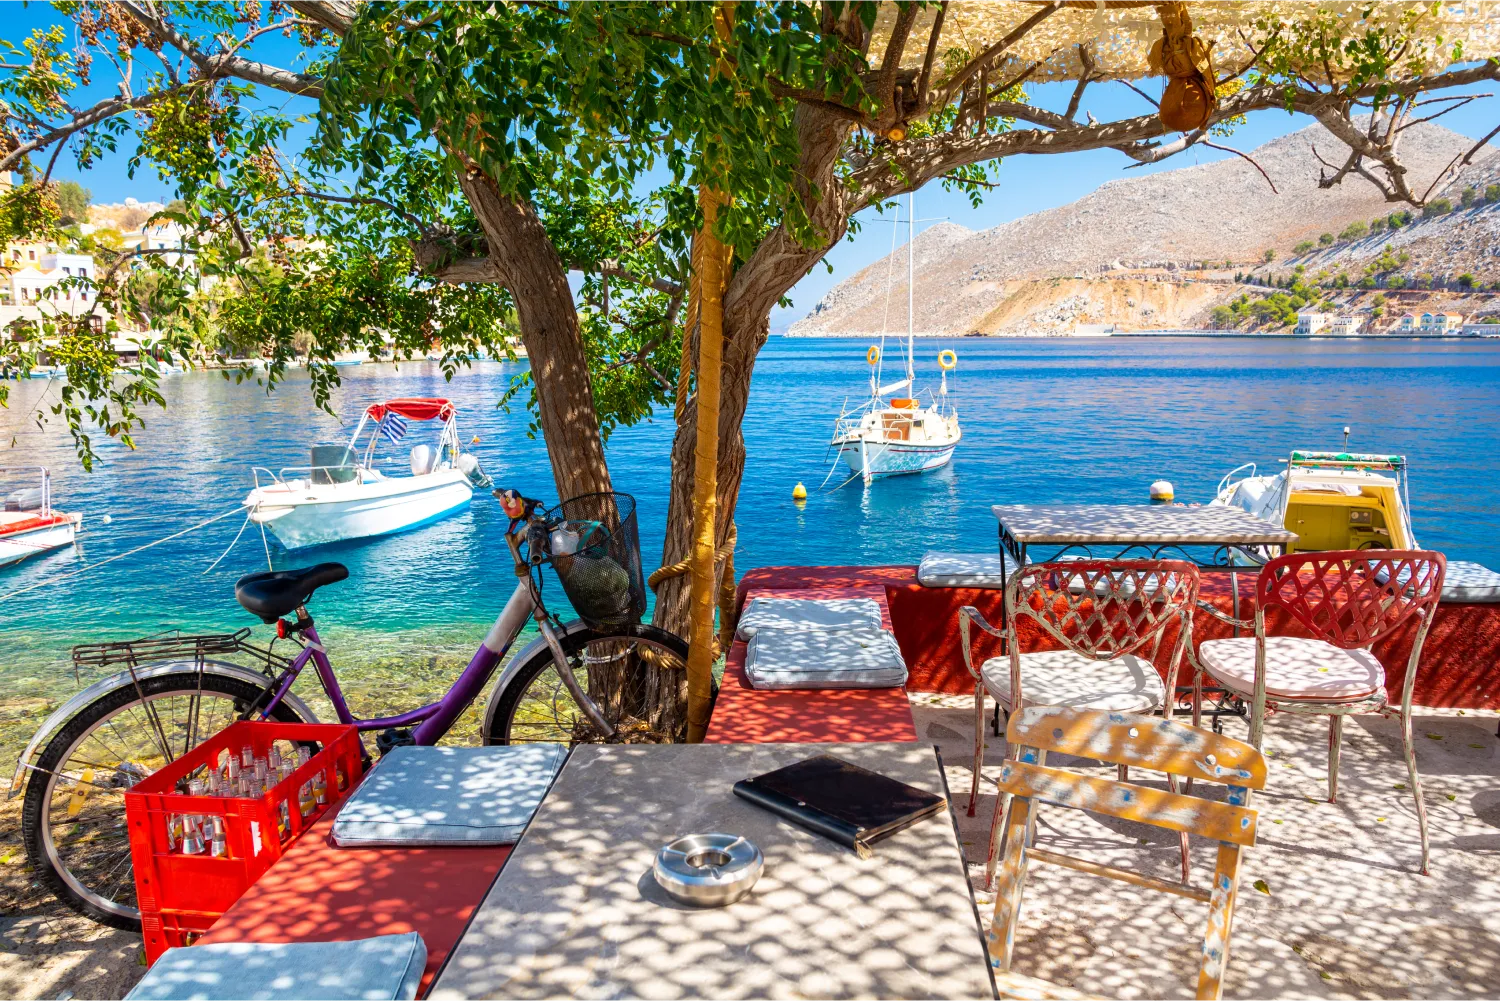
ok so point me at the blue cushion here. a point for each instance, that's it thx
(807, 613)
(781, 659)
(981, 570)
(449, 795)
(384, 968)
(1465, 581)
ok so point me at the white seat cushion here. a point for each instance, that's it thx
(1296, 668)
(981, 570)
(1465, 581)
(781, 659)
(1065, 678)
(387, 966)
(807, 613)
(449, 796)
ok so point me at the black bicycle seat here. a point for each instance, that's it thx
(277, 592)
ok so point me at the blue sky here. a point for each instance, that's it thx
(1027, 184)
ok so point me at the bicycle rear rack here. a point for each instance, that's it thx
(175, 646)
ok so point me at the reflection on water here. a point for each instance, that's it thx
(1044, 422)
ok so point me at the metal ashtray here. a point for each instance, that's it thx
(708, 870)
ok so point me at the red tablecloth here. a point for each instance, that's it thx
(1460, 665)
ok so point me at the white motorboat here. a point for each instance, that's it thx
(905, 435)
(28, 523)
(342, 495)
(1332, 500)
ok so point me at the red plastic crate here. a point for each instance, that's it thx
(181, 895)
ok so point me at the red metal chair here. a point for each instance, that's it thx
(1110, 616)
(1346, 601)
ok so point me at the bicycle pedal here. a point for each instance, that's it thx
(391, 738)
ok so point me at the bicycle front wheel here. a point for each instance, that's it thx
(73, 821)
(612, 664)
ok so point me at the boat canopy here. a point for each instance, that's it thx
(1348, 459)
(415, 408)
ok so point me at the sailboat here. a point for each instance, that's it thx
(879, 438)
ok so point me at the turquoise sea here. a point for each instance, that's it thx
(1044, 421)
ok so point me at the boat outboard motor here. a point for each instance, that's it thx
(423, 458)
(29, 499)
(468, 464)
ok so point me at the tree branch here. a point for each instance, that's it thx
(1244, 156)
(335, 15)
(1016, 34)
(224, 64)
(932, 43)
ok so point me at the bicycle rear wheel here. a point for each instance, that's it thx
(73, 821)
(609, 663)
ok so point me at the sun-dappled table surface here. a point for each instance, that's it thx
(1157, 524)
(576, 913)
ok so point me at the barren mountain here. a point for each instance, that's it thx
(1047, 271)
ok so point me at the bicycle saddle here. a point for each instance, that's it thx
(275, 593)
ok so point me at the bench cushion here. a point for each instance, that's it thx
(1064, 678)
(980, 570)
(1473, 582)
(807, 613)
(449, 795)
(824, 658)
(1296, 668)
(387, 967)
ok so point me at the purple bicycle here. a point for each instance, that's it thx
(177, 691)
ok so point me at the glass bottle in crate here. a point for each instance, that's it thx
(192, 824)
(218, 847)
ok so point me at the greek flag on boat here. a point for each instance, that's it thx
(393, 427)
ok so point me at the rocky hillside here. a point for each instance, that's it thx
(1156, 251)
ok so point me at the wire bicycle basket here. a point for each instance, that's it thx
(593, 545)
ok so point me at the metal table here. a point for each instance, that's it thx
(1159, 531)
(576, 912)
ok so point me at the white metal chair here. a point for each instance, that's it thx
(1347, 601)
(1110, 618)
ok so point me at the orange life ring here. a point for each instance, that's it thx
(873, 355)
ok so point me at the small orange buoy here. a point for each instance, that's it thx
(474, 440)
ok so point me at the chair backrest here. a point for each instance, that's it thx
(1151, 742)
(1350, 598)
(1103, 608)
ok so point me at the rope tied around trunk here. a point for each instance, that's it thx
(723, 554)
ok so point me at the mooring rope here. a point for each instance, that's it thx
(138, 549)
(726, 586)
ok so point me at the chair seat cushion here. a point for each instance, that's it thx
(979, 570)
(807, 613)
(1064, 678)
(386, 967)
(1471, 582)
(780, 659)
(1296, 668)
(449, 796)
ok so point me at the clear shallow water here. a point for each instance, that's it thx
(1044, 421)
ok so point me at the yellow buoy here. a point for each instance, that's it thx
(947, 359)
(1161, 492)
(799, 493)
(873, 355)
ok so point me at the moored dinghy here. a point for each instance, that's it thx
(28, 524)
(343, 496)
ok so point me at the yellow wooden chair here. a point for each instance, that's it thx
(1145, 742)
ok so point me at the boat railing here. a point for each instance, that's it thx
(1229, 478)
(288, 474)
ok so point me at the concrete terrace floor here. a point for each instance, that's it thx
(1342, 913)
(1331, 903)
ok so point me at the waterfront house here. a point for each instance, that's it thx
(1310, 322)
(1408, 324)
(1327, 324)
(1445, 323)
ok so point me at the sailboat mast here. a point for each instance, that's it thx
(911, 273)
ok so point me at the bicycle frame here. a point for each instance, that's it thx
(434, 720)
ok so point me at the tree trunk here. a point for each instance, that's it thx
(778, 263)
(527, 265)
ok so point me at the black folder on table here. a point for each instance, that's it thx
(841, 801)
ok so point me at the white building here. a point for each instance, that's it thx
(34, 283)
(1328, 324)
(159, 237)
